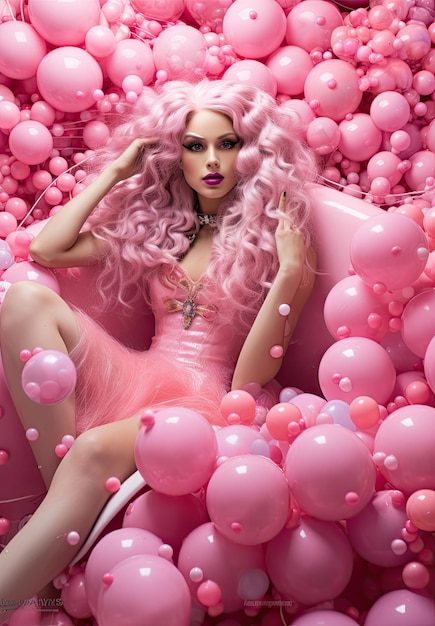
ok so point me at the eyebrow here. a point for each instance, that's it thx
(221, 137)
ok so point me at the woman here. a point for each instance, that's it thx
(205, 214)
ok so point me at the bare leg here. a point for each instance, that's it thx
(35, 316)
(40, 551)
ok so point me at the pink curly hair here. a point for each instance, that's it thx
(145, 219)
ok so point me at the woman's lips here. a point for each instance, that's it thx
(213, 179)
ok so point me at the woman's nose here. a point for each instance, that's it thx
(212, 160)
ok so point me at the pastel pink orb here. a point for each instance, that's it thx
(422, 168)
(403, 449)
(429, 364)
(279, 417)
(418, 325)
(56, 21)
(130, 57)
(360, 137)
(43, 112)
(254, 73)
(209, 14)
(389, 249)
(74, 597)
(21, 49)
(67, 78)
(323, 135)
(352, 309)
(390, 111)
(241, 403)
(330, 472)
(180, 51)
(9, 114)
(420, 508)
(145, 590)
(424, 82)
(169, 10)
(385, 164)
(401, 608)
(100, 41)
(254, 28)
(310, 24)
(415, 575)
(248, 499)
(325, 617)
(49, 377)
(115, 547)
(415, 41)
(290, 66)
(311, 563)
(333, 86)
(96, 134)
(176, 452)
(364, 412)
(373, 531)
(30, 142)
(356, 366)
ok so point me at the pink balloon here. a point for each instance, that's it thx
(169, 10)
(74, 597)
(429, 364)
(130, 57)
(422, 168)
(254, 28)
(323, 618)
(420, 509)
(376, 532)
(67, 78)
(356, 366)
(145, 590)
(402, 357)
(385, 164)
(401, 608)
(247, 499)
(330, 472)
(311, 563)
(27, 270)
(21, 49)
(180, 52)
(43, 112)
(403, 448)
(390, 75)
(415, 41)
(254, 73)
(352, 309)
(290, 66)
(100, 41)
(331, 88)
(209, 14)
(238, 439)
(418, 324)
(96, 134)
(171, 518)
(360, 138)
(390, 111)
(56, 21)
(389, 250)
(176, 452)
(114, 548)
(323, 135)
(49, 377)
(219, 560)
(31, 142)
(26, 615)
(240, 404)
(310, 24)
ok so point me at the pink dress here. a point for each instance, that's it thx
(190, 361)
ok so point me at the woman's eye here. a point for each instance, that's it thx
(193, 147)
(229, 144)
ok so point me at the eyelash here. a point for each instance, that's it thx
(192, 148)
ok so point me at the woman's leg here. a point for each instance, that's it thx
(33, 315)
(40, 551)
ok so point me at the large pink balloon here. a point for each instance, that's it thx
(310, 24)
(145, 590)
(418, 322)
(290, 66)
(332, 88)
(401, 608)
(330, 472)
(254, 73)
(21, 49)
(376, 532)
(389, 250)
(403, 448)
(248, 499)
(324, 618)
(390, 111)
(180, 53)
(57, 21)
(209, 14)
(239, 439)
(360, 138)
(112, 549)
(356, 366)
(49, 377)
(166, 10)
(176, 452)
(429, 364)
(67, 78)
(219, 560)
(130, 58)
(254, 28)
(31, 142)
(352, 309)
(311, 563)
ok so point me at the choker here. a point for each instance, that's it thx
(207, 219)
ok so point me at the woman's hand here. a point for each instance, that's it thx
(290, 244)
(130, 162)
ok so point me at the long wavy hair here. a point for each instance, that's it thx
(144, 219)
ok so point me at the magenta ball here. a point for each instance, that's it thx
(49, 377)
(401, 608)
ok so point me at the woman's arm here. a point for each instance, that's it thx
(61, 242)
(292, 286)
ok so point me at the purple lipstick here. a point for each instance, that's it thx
(213, 179)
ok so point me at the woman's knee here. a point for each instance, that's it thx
(26, 299)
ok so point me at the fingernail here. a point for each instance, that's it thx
(284, 193)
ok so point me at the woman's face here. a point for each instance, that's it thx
(210, 149)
